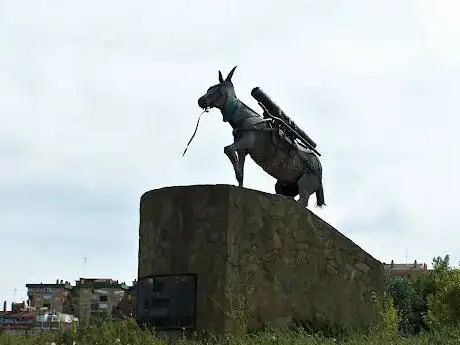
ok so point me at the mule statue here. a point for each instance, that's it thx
(269, 141)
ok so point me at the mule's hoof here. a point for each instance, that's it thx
(239, 179)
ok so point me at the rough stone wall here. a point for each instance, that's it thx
(260, 258)
(298, 267)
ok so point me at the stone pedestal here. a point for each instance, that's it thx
(222, 258)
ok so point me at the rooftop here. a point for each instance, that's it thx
(81, 282)
(405, 267)
(21, 315)
(100, 282)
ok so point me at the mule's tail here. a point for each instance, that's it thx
(320, 195)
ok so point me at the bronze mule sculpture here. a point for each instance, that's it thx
(297, 169)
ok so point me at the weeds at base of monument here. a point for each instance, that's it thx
(239, 308)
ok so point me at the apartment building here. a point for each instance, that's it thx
(96, 298)
(127, 306)
(53, 297)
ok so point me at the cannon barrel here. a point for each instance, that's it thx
(275, 110)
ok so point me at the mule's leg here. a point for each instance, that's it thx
(308, 184)
(239, 172)
(245, 142)
(231, 154)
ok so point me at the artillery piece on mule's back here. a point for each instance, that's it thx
(273, 141)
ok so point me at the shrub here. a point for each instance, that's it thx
(410, 298)
(128, 333)
(444, 303)
(387, 317)
(429, 302)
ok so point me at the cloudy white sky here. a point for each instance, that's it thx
(98, 99)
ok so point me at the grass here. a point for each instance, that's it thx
(128, 333)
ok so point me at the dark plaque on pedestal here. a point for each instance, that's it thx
(167, 301)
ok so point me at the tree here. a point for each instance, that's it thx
(412, 297)
(444, 303)
(441, 264)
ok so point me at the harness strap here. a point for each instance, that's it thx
(253, 127)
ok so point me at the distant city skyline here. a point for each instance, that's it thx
(129, 283)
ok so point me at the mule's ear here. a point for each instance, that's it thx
(221, 79)
(230, 75)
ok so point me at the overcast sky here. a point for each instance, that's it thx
(98, 99)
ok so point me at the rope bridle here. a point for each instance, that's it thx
(206, 110)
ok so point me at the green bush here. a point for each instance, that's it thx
(444, 303)
(429, 302)
(387, 317)
(410, 298)
(128, 333)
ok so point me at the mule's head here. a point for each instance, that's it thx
(217, 95)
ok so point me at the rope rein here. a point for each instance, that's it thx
(196, 128)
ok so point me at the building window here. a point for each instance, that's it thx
(103, 298)
(47, 297)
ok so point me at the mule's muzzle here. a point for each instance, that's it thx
(202, 103)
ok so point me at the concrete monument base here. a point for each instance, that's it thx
(222, 258)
